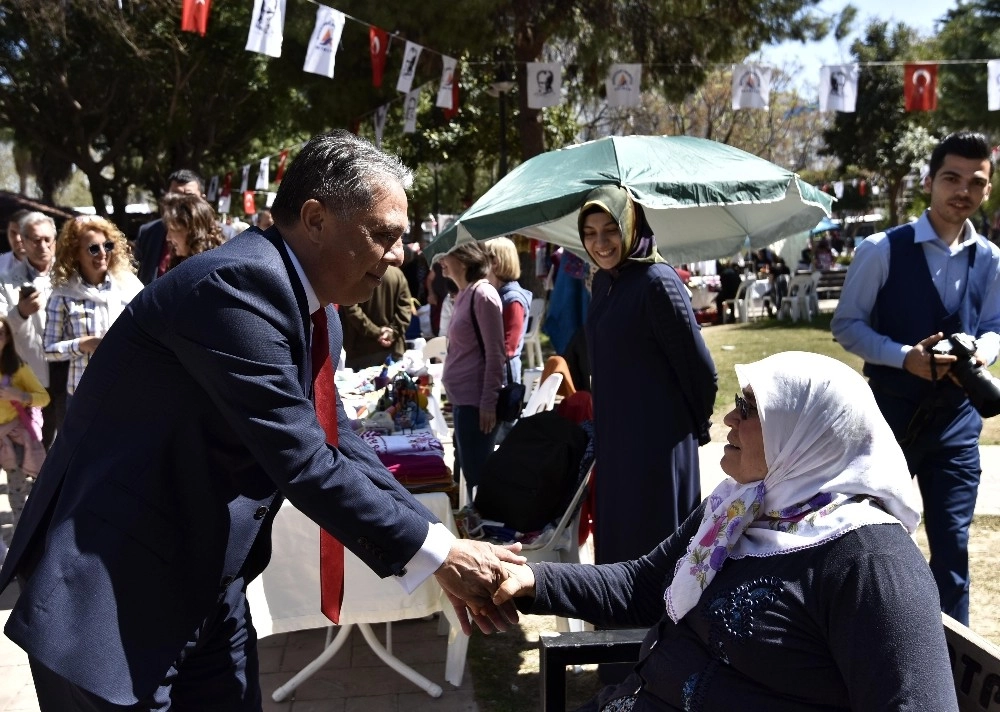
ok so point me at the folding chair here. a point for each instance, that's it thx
(532, 338)
(544, 397)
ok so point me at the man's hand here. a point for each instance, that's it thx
(386, 337)
(918, 359)
(28, 304)
(470, 575)
(520, 582)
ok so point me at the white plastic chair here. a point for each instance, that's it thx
(738, 304)
(530, 378)
(532, 351)
(563, 546)
(544, 398)
(798, 303)
(435, 352)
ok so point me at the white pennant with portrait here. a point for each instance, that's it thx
(267, 27)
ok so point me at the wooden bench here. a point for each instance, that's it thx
(975, 662)
(831, 283)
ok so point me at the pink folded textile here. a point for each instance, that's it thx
(413, 469)
(421, 442)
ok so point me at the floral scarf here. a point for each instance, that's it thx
(833, 466)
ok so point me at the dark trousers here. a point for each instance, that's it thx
(55, 412)
(217, 671)
(472, 445)
(944, 457)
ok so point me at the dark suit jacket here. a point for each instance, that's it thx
(149, 247)
(191, 422)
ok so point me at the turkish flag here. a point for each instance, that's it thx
(282, 160)
(249, 206)
(227, 184)
(453, 111)
(194, 16)
(378, 46)
(920, 87)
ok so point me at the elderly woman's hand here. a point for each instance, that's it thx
(520, 581)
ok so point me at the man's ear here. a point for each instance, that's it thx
(313, 217)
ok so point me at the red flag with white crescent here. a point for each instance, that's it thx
(282, 160)
(378, 45)
(227, 184)
(194, 16)
(453, 111)
(920, 87)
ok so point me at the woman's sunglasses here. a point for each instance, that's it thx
(95, 250)
(745, 407)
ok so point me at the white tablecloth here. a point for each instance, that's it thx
(286, 597)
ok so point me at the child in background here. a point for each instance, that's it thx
(21, 399)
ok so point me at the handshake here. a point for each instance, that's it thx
(481, 580)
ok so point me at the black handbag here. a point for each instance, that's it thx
(510, 397)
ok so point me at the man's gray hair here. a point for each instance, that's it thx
(344, 172)
(33, 218)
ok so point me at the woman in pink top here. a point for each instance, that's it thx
(473, 370)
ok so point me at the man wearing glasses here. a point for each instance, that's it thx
(24, 291)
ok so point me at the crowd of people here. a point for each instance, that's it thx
(775, 591)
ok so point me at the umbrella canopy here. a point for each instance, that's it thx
(703, 199)
(824, 225)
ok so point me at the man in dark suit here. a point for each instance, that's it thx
(151, 248)
(192, 423)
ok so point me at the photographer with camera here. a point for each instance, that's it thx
(921, 306)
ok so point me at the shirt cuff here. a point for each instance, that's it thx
(429, 559)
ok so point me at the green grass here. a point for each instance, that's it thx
(744, 343)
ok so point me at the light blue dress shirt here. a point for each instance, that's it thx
(948, 266)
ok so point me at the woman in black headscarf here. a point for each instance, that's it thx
(654, 381)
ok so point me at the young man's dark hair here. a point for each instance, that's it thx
(967, 144)
(184, 175)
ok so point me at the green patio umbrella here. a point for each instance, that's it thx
(703, 199)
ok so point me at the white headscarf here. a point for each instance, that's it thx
(833, 465)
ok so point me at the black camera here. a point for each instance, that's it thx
(978, 383)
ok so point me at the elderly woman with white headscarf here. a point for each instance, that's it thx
(795, 585)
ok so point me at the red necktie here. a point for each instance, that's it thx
(331, 551)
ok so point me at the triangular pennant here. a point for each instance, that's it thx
(194, 16)
(838, 88)
(322, 52)
(623, 85)
(213, 189)
(920, 87)
(378, 46)
(993, 85)
(409, 69)
(263, 173)
(446, 93)
(751, 86)
(267, 26)
(544, 84)
(410, 107)
(380, 114)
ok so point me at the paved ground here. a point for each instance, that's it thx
(355, 679)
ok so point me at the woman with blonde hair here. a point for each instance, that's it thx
(505, 270)
(192, 227)
(93, 280)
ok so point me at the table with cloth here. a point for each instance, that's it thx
(293, 591)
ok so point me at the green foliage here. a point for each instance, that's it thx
(970, 31)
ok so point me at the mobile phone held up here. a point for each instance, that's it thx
(27, 289)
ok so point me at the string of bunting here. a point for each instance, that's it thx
(751, 82)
